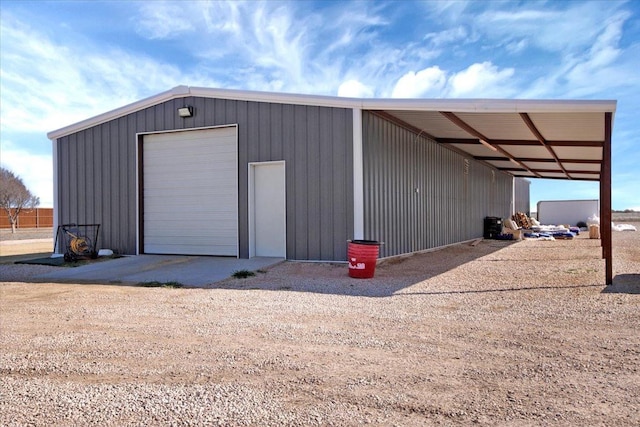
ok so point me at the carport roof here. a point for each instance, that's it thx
(556, 139)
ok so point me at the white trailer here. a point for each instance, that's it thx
(567, 212)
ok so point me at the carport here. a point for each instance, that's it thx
(551, 139)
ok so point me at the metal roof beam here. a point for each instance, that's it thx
(536, 159)
(470, 141)
(402, 123)
(534, 130)
(569, 172)
(518, 174)
(472, 131)
(575, 143)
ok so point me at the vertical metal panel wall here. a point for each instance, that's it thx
(97, 170)
(420, 195)
(521, 191)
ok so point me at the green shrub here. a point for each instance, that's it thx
(156, 284)
(243, 274)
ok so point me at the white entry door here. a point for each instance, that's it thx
(268, 210)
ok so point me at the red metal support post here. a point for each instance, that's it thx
(605, 201)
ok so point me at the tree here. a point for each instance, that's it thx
(14, 196)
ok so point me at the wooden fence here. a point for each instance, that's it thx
(33, 218)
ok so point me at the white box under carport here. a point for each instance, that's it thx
(567, 212)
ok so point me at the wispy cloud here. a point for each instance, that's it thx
(50, 85)
(545, 25)
(290, 47)
(164, 20)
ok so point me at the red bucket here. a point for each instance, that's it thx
(362, 256)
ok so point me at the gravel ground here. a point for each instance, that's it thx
(23, 242)
(500, 333)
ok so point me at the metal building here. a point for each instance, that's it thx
(522, 196)
(236, 173)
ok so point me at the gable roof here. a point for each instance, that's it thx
(557, 139)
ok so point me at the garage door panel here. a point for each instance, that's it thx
(165, 249)
(207, 179)
(187, 240)
(191, 192)
(191, 234)
(185, 185)
(211, 232)
(178, 198)
(204, 223)
(162, 162)
(174, 208)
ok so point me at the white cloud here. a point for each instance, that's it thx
(355, 89)
(601, 56)
(36, 170)
(515, 47)
(421, 84)
(164, 20)
(598, 70)
(481, 80)
(447, 11)
(547, 28)
(447, 36)
(294, 47)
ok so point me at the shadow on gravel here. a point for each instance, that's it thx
(484, 291)
(14, 259)
(391, 276)
(624, 284)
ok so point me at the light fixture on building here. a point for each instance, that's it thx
(185, 112)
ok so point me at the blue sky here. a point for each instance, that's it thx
(62, 62)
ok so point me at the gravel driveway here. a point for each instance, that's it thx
(495, 334)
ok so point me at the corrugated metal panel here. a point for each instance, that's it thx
(432, 120)
(97, 169)
(570, 126)
(497, 125)
(522, 200)
(420, 195)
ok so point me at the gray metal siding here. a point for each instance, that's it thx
(522, 200)
(420, 195)
(98, 171)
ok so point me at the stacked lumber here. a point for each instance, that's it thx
(522, 220)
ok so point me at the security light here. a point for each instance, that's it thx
(185, 112)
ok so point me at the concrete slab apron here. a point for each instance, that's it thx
(188, 270)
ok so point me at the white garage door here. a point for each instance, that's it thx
(190, 193)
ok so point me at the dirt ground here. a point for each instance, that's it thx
(502, 333)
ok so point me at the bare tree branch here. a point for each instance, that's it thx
(14, 196)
